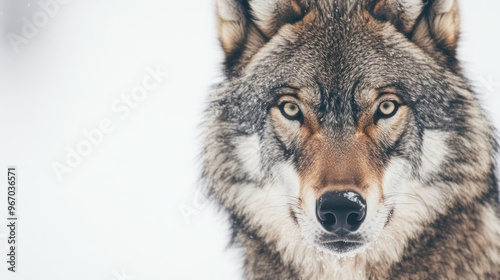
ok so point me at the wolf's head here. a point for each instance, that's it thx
(344, 122)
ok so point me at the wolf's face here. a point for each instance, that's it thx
(347, 121)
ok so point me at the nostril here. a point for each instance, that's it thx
(354, 219)
(330, 219)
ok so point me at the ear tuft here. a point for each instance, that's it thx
(402, 13)
(244, 26)
(232, 24)
(433, 25)
(442, 23)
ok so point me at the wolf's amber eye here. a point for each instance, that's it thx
(388, 108)
(290, 110)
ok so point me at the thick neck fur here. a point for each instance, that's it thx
(463, 244)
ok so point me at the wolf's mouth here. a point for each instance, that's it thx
(342, 246)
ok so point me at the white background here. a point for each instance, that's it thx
(117, 214)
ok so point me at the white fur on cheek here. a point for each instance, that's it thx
(289, 179)
(434, 151)
(412, 200)
(248, 151)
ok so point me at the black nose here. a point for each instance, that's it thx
(341, 212)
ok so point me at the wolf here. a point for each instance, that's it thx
(345, 142)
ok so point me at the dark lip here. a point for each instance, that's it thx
(332, 238)
(342, 246)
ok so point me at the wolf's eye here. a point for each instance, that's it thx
(290, 110)
(387, 109)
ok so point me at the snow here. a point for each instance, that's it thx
(130, 208)
(354, 197)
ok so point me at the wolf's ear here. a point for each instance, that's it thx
(244, 26)
(434, 25)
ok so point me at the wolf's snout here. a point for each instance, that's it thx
(341, 212)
